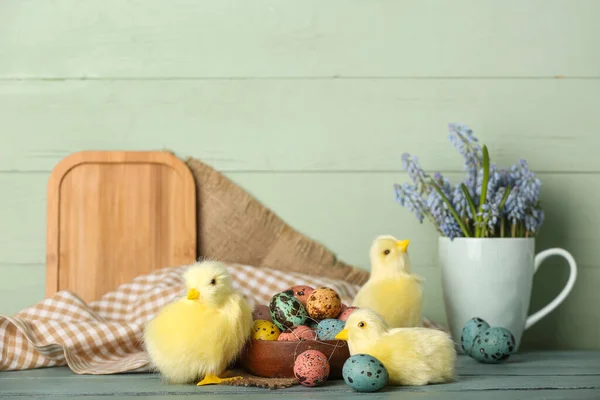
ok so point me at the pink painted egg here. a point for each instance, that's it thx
(311, 368)
(300, 332)
(301, 292)
(286, 337)
(346, 313)
(261, 311)
(342, 309)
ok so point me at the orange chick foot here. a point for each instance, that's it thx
(215, 380)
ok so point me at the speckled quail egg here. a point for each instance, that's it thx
(492, 346)
(265, 330)
(365, 373)
(471, 329)
(311, 368)
(324, 303)
(287, 311)
(329, 328)
(346, 312)
(302, 292)
(298, 333)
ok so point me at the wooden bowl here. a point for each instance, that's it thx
(275, 359)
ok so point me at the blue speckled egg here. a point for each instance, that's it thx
(329, 328)
(492, 346)
(287, 311)
(365, 373)
(472, 328)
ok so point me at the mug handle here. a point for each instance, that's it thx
(532, 319)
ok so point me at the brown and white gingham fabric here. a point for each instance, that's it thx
(105, 336)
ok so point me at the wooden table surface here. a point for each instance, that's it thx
(535, 375)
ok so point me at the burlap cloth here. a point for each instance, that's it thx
(234, 227)
(251, 380)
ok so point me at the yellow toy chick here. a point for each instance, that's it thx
(392, 290)
(412, 356)
(198, 336)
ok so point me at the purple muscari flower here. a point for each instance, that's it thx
(522, 204)
(530, 188)
(526, 180)
(489, 214)
(442, 216)
(493, 184)
(408, 197)
(505, 178)
(460, 204)
(534, 219)
(450, 192)
(498, 196)
(515, 206)
(461, 137)
(450, 228)
(517, 170)
(415, 172)
(443, 184)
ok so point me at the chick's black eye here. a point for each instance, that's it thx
(361, 324)
(386, 252)
(213, 281)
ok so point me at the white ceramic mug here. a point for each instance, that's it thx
(491, 278)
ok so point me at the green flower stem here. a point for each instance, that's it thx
(504, 198)
(462, 226)
(521, 229)
(514, 230)
(483, 229)
(469, 200)
(484, 184)
(500, 207)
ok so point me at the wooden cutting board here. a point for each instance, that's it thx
(114, 215)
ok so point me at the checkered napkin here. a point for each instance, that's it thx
(105, 336)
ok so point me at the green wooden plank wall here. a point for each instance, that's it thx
(309, 106)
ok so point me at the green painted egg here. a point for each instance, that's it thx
(493, 346)
(472, 328)
(287, 311)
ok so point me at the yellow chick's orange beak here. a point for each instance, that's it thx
(343, 335)
(403, 245)
(193, 294)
